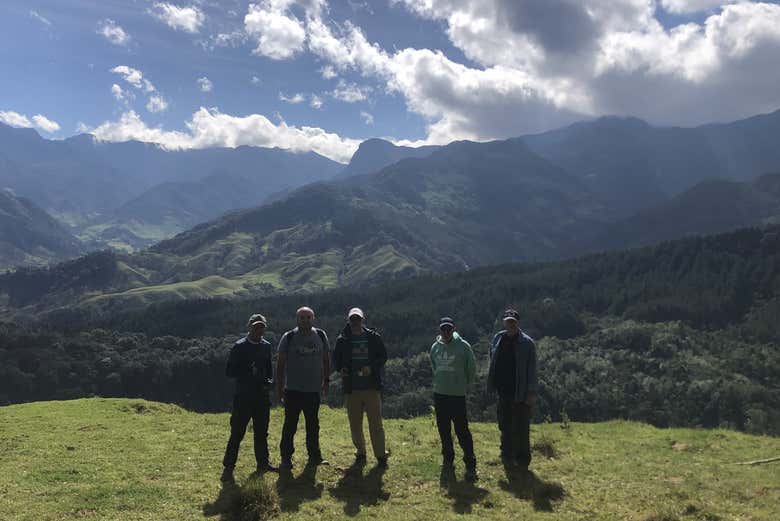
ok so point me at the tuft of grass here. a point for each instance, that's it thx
(546, 446)
(257, 500)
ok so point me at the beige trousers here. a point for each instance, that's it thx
(370, 402)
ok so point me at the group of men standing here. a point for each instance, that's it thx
(302, 376)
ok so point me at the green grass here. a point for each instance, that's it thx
(126, 459)
(212, 286)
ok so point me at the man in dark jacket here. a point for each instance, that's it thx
(360, 357)
(512, 374)
(250, 364)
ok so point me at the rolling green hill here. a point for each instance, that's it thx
(131, 459)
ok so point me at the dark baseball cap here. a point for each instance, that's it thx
(446, 322)
(511, 314)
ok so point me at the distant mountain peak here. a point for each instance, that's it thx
(29, 133)
(374, 154)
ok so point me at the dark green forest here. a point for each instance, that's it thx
(684, 333)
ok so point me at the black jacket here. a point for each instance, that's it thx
(250, 365)
(525, 364)
(377, 356)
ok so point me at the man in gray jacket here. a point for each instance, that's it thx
(512, 374)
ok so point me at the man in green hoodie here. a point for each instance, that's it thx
(452, 361)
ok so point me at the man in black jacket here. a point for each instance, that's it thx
(512, 374)
(250, 364)
(360, 357)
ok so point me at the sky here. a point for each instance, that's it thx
(320, 75)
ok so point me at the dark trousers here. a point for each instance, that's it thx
(514, 421)
(296, 402)
(452, 410)
(258, 409)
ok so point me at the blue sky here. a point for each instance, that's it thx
(323, 75)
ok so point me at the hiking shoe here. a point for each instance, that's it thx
(227, 475)
(264, 467)
(382, 461)
(471, 474)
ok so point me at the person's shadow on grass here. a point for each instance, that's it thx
(293, 491)
(225, 503)
(356, 490)
(463, 493)
(526, 485)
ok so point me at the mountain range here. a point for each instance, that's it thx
(606, 184)
(130, 195)
(632, 165)
(30, 236)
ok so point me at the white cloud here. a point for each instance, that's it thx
(134, 77)
(367, 118)
(328, 72)
(113, 32)
(9, 117)
(350, 92)
(315, 102)
(231, 39)
(279, 34)
(205, 84)
(119, 93)
(256, 81)
(294, 99)
(37, 16)
(693, 6)
(15, 119)
(188, 19)
(541, 64)
(156, 103)
(211, 128)
(45, 124)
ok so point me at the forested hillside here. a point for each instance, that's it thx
(683, 333)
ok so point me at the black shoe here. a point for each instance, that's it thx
(471, 474)
(227, 475)
(314, 462)
(262, 468)
(382, 461)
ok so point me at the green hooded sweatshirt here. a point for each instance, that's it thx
(453, 366)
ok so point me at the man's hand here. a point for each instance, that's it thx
(531, 398)
(365, 371)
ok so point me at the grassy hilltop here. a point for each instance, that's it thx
(127, 459)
